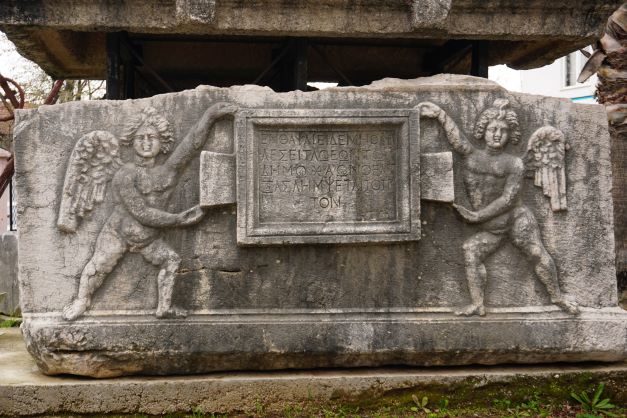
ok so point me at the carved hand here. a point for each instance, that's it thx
(429, 110)
(191, 216)
(467, 214)
(221, 109)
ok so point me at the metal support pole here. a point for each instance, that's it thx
(12, 220)
(128, 66)
(301, 64)
(113, 66)
(479, 61)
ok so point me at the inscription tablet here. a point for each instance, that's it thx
(322, 176)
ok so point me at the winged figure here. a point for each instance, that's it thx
(493, 180)
(141, 190)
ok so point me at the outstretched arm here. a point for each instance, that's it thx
(503, 203)
(197, 135)
(456, 138)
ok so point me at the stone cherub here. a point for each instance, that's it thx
(141, 191)
(493, 181)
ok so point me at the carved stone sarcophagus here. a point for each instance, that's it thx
(438, 221)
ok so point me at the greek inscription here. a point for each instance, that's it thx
(324, 174)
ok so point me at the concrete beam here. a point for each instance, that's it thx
(67, 37)
(418, 18)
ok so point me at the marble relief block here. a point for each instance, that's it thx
(436, 221)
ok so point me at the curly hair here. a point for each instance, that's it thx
(149, 116)
(499, 111)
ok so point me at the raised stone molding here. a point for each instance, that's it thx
(325, 176)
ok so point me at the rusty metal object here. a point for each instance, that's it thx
(9, 94)
(53, 96)
(6, 175)
(11, 102)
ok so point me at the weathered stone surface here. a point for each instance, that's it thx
(430, 13)
(8, 273)
(436, 177)
(217, 174)
(26, 392)
(453, 17)
(195, 11)
(114, 252)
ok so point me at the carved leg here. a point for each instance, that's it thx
(160, 254)
(526, 236)
(109, 249)
(476, 249)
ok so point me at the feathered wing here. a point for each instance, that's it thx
(546, 151)
(94, 160)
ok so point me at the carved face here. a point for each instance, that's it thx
(146, 142)
(496, 134)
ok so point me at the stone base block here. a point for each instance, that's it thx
(26, 392)
(98, 345)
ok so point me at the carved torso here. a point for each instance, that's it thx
(485, 176)
(155, 186)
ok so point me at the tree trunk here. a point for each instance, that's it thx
(612, 92)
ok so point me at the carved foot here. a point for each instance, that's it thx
(171, 313)
(567, 306)
(470, 310)
(75, 309)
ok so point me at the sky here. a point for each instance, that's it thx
(14, 66)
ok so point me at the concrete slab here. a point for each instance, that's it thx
(24, 391)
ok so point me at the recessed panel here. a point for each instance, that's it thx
(318, 176)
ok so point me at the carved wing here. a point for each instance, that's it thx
(546, 151)
(94, 160)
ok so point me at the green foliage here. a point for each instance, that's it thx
(341, 411)
(595, 404)
(531, 407)
(10, 323)
(421, 404)
(292, 411)
(535, 407)
(517, 412)
(443, 404)
(259, 407)
(197, 413)
(501, 403)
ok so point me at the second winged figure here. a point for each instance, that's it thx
(493, 179)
